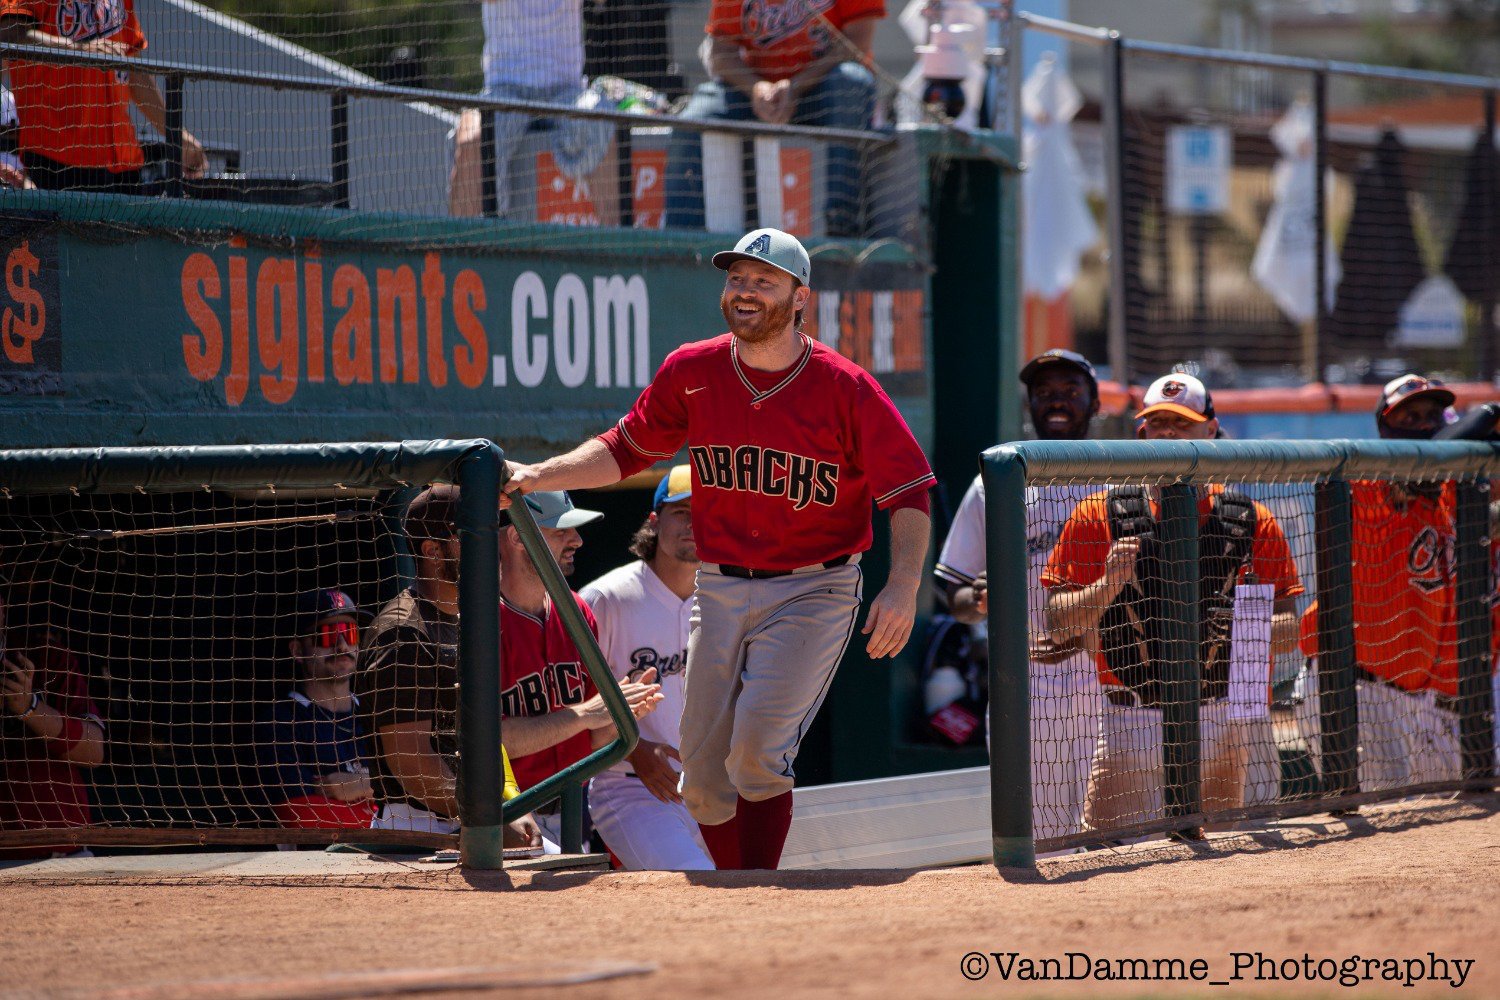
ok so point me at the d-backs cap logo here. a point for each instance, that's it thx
(761, 245)
(1173, 389)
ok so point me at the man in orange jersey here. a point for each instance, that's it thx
(1104, 579)
(1402, 568)
(75, 128)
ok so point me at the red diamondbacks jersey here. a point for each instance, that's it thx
(541, 671)
(785, 464)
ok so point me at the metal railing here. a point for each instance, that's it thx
(176, 74)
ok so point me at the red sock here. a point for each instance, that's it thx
(763, 829)
(723, 840)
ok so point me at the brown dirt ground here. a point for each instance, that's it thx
(1395, 882)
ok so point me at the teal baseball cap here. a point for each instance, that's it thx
(769, 246)
(555, 509)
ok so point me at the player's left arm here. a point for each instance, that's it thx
(894, 610)
(147, 97)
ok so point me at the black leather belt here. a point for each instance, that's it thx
(746, 573)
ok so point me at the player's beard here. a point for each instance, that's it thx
(769, 323)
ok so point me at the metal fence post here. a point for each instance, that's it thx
(1337, 705)
(1476, 708)
(481, 775)
(1004, 474)
(489, 186)
(338, 113)
(1321, 353)
(1177, 618)
(173, 134)
(1113, 111)
(1488, 332)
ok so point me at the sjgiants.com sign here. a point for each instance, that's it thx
(293, 320)
(30, 311)
(265, 326)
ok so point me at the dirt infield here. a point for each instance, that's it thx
(1408, 884)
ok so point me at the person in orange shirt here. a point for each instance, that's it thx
(1404, 634)
(1102, 583)
(799, 62)
(75, 128)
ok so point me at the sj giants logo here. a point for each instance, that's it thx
(1428, 559)
(82, 20)
(767, 471)
(547, 690)
(766, 22)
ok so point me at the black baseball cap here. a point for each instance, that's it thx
(1058, 356)
(316, 605)
(433, 513)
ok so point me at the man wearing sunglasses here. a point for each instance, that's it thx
(308, 746)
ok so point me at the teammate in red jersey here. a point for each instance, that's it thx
(790, 443)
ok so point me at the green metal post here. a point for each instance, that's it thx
(1476, 706)
(481, 776)
(1337, 704)
(1177, 618)
(1004, 473)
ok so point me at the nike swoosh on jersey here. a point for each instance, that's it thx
(689, 392)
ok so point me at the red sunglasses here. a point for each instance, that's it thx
(329, 634)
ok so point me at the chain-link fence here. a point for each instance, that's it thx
(1221, 179)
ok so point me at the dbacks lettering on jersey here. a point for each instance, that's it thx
(767, 471)
(535, 694)
(666, 664)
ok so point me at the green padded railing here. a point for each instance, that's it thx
(1177, 466)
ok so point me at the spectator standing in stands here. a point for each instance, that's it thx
(309, 745)
(50, 731)
(533, 51)
(1403, 602)
(1105, 577)
(643, 609)
(75, 127)
(1062, 393)
(782, 63)
(553, 715)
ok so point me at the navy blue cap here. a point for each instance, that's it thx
(1058, 356)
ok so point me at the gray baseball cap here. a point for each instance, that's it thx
(556, 510)
(769, 246)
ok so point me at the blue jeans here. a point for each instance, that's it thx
(845, 98)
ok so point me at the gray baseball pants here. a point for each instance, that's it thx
(761, 654)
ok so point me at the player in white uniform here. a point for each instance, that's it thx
(1063, 396)
(643, 610)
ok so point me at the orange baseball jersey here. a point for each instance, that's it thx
(1079, 556)
(1402, 571)
(73, 114)
(778, 38)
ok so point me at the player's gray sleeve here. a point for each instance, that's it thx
(962, 558)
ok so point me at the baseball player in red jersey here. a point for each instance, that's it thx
(553, 714)
(790, 443)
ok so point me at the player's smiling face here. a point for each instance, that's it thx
(564, 543)
(1062, 403)
(759, 300)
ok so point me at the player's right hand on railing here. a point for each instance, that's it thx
(641, 696)
(520, 479)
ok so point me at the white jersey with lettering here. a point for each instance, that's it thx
(643, 624)
(1066, 699)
